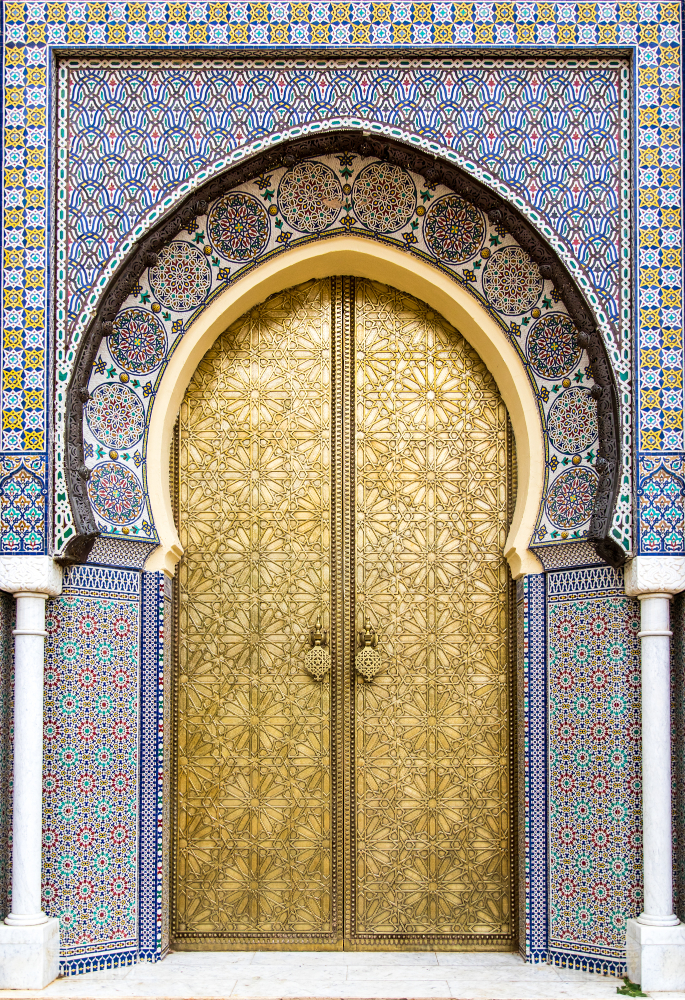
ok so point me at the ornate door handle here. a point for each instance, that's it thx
(367, 660)
(317, 661)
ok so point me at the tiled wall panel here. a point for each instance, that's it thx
(90, 769)
(154, 804)
(651, 31)
(594, 767)
(532, 767)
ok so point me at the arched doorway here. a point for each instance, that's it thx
(343, 452)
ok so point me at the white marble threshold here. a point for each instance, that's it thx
(342, 975)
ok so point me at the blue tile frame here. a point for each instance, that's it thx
(151, 788)
(533, 676)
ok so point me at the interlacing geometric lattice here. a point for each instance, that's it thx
(252, 826)
(262, 830)
(432, 742)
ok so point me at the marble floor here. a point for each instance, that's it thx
(343, 975)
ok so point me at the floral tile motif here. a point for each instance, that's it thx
(90, 770)
(660, 492)
(23, 506)
(595, 871)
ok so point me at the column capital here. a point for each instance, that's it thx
(30, 575)
(663, 575)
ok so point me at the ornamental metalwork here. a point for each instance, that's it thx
(343, 460)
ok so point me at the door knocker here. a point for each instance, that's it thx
(367, 660)
(317, 661)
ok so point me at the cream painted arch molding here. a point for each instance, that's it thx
(355, 256)
(332, 205)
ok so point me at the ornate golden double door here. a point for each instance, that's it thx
(343, 452)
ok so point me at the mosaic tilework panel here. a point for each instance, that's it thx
(595, 871)
(484, 115)
(661, 487)
(652, 29)
(678, 750)
(504, 122)
(532, 764)
(90, 770)
(23, 505)
(151, 871)
(319, 198)
(6, 712)
(165, 936)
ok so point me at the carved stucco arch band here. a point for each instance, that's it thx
(356, 256)
(352, 255)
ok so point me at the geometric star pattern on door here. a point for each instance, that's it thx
(431, 510)
(426, 843)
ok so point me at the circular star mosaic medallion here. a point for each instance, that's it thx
(238, 227)
(453, 229)
(552, 349)
(572, 421)
(511, 281)
(138, 342)
(181, 277)
(115, 493)
(115, 415)
(384, 197)
(571, 498)
(310, 197)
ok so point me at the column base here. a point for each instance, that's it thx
(29, 956)
(656, 956)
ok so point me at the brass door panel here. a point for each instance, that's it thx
(254, 851)
(429, 861)
(342, 451)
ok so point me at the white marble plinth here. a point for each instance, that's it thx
(656, 956)
(337, 975)
(29, 956)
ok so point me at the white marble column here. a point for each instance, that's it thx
(29, 940)
(655, 941)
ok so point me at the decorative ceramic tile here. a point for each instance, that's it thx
(501, 122)
(479, 113)
(651, 29)
(23, 506)
(90, 770)
(532, 681)
(151, 870)
(595, 869)
(165, 935)
(319, 198)
(660, 492)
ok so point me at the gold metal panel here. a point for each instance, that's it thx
(254, 860)
(378, 483)
(429, 862)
